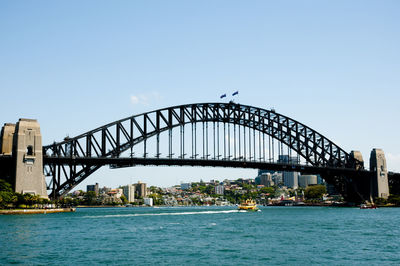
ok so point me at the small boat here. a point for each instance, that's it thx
(248, 205)
(367, 206)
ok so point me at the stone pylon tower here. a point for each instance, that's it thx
(358, 156)
(6, 138)
(27, 152)
(380, 181)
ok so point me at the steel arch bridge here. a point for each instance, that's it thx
(202, 134)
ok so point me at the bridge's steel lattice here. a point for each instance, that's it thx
(207, 131)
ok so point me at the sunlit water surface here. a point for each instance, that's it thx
(204, 235)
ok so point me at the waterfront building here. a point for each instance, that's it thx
(110, 198)
(307, 180)
(290, 179)
(129, 192)
(94, 188)
(141, 189)
(116, 193)
(148, 201)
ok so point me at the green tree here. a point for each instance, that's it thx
(154, 189)
(124, 199)
(20, 199)
(394, 199)
(4, 186)
(209, 189)
(7, 198)
(268, 190)
(315, 192)
(157, 198)
(29, 199)
(247, 186)
(90, 198)
(7, 195)
(202, 189)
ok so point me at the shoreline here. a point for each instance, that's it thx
(35, 211)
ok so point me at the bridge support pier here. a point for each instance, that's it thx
(7, 165)
(356, 187)
(23, 144)
(6, 139)
(379, 180)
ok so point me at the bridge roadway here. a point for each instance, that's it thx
(119, 162)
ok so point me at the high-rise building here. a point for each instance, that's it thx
(129, 192)
(266, 180)
(220, 189)
(94, 188)
(290, 179)
(307, 180)
(277, 178)
(141, 189)
(261, 171)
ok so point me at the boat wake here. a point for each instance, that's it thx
(160, 214)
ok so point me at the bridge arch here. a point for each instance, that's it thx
(112, 140)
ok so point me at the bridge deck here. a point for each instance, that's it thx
(129, 162)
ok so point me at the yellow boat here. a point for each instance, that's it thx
(248, 205)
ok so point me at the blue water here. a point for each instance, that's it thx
(204, 235)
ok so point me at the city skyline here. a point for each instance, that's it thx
(74, 69)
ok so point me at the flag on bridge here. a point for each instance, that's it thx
(235, 93)
(223, 96)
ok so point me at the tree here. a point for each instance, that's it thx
(29, 199)
(247, 186)
(7, 198)
(394, 199)
(202, 189)
(268, 190)
(157, 198)
(315, 192)
(124, 199)
(7, 195)
(209, 189)
(90, 198)
(153, 189)
(4, 186)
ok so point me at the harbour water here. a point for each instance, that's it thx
(204, 236)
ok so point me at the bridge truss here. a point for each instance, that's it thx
(206, 134)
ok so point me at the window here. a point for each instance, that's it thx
(29, 150)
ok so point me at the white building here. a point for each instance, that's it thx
(148, 201)
(290, 179)
(129, 192)
(220, 189)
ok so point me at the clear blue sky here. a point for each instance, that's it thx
(76, 65)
